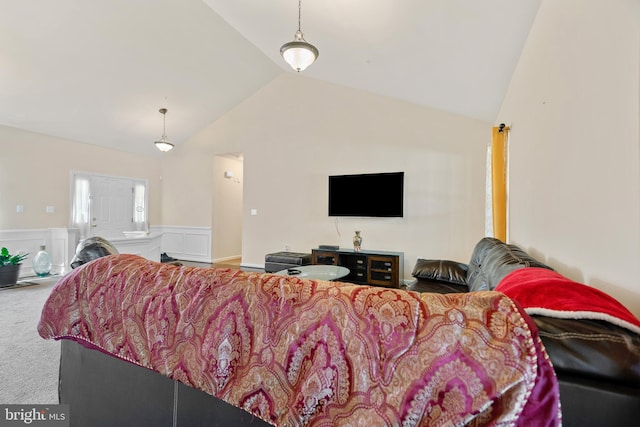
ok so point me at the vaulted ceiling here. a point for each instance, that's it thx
(97, 72)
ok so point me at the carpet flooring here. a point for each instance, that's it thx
(29, 364)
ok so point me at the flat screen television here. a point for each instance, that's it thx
(367, 195)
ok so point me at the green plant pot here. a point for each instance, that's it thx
(9, 275)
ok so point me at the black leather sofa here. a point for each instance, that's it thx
(103, 391)
(597, 363)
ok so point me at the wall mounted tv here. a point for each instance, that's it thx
(367, 195)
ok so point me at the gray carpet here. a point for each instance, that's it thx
(28, 364)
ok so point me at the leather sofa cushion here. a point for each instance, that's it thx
(442, 270)
(436, 286)
(592, 348)
(492, 260)
(92, 248)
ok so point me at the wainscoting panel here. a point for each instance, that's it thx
(60, 243)
(63, 248)
(186, 243)
(147, 247)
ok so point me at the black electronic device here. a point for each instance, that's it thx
(367, 195)
(329, 247)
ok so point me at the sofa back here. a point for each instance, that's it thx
(492, 260)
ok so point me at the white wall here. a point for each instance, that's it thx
(296, 131)
(573, 105)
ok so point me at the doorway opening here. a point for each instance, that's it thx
(227, 208)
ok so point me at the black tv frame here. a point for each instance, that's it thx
(373, 195)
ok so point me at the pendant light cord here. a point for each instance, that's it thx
(164, 144)
(164, 125)
(299, 12)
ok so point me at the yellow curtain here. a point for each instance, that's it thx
(499, 140)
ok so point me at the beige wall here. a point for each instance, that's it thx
(35, 171)
(293, 134)
(195, 194)
(573, 105)
(296, 131)
(186, 188)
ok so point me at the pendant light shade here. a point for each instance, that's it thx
(164, 145)
(298, 53)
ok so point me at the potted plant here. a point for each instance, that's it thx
(10, 267)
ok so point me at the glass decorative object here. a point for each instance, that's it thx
(42, 262)
(357, 242)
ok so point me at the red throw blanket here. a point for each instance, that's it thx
(314, 353)
(544, 292)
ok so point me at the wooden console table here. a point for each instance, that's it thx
(380, 268)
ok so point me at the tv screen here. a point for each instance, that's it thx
(367, 195)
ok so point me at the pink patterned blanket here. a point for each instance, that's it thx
(306, 352)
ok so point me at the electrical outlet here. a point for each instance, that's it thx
(286, 248)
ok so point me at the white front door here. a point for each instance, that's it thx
(111, 206)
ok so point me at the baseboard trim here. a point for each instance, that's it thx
(258, 266)
(227, 258)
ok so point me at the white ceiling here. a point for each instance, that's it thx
(98, 71)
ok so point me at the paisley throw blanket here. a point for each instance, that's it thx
(304, 352)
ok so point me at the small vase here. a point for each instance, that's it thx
(357, 241)
(42, 262)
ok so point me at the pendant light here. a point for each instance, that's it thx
(298, 53)
(164, 145)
